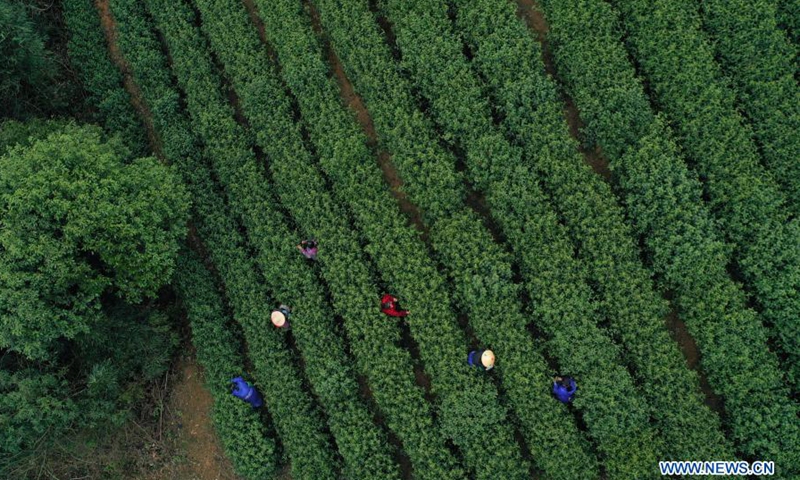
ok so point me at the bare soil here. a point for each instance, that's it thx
(189, 433)
(188, 448)
(529, 11)
(477, 202)
(110, 30)
(285, 473)
(364, 119)
(688, 346)
(252, 11)
(423, 380)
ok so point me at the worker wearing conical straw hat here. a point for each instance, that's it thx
(280, 317)
(481, 358)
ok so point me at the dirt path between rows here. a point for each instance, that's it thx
(530, 12)
(252, 12)
(688, 347)
(199, 453)
(110, 31)
(356, 105)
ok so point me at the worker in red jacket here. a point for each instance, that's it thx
(391, 306)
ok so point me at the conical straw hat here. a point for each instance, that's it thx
(278, 318)
(487, 359)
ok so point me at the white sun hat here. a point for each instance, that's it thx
(278, 318)
(487, 359)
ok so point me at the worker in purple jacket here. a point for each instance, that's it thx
(247, 392)
(564, 388)
(309, 249)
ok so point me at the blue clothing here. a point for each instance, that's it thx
(471, 358)
(474, 359)
(247, 392)
(564, 394)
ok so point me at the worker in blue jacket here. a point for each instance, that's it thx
(247, 392)
(564, 388)
(483, 359)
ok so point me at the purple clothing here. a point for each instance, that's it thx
(562, 393)
(309, 249)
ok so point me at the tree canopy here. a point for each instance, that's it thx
(78, 225)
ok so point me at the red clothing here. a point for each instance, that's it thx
(386, 298)
(389, 306)
(393, 312)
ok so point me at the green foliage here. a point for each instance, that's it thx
(556, 282)
(687, 83)
(664, 203)
(419, 151)
(302, 191)
(26, 67)
(130, 340)
(102, 81)
(463, 244)
(688, 258)
(361, 443)
(508, 57)
(33, 405)
(760, 62)
(788, 17)
(297, 419)
(219, 352)
(87, 390)
(78, 224)
(25, 133)
(616, 112)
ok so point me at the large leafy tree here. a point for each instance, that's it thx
(79, 228)
(53, 408)
(13, 132)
